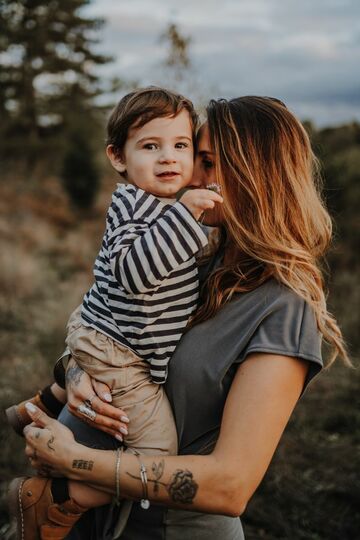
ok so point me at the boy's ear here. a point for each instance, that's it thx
(115, 160)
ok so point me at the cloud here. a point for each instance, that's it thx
(305, 52)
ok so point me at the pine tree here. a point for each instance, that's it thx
(177, 59)
(46, 70)
(79, 173)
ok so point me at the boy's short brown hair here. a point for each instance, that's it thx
(140, 107)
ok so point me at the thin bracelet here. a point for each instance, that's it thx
(144, 502)
(117, 474)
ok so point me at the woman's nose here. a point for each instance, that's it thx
(197, 178)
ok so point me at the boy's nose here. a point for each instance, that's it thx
(167, 156)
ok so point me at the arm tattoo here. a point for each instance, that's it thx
(82, 464)
(182, 487)
(73, 375)
(37, 434)
(49, 443)
(158, 471)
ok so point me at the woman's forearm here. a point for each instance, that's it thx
(220, 483)
(188, 482)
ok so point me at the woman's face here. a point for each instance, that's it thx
(204, 174)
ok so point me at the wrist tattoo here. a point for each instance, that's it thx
(182, 487)
(82, 464)
(73, 375)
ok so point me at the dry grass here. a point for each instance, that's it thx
(311, 491)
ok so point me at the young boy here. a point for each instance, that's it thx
(145, 290)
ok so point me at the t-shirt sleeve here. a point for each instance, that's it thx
(288, 327)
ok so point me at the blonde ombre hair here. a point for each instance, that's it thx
(275, 218)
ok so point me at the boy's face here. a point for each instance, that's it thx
(159, 156)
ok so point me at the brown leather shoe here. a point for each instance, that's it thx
(18, 417)
(37, 517)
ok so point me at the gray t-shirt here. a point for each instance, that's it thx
(270, 319)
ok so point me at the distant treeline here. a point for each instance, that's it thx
(338, 149)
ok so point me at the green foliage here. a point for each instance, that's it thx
(46, 71)
(79, 172)
(339, 151)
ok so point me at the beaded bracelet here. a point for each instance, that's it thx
(144, 502)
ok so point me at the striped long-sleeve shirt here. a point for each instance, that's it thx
(146, 279)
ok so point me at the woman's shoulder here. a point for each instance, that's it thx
(282, 323)
(269, 297)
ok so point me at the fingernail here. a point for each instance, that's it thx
(124, 419)
(107, 397)
(124, 431)
(30, 407)
(119, 437)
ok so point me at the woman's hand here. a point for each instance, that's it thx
(81, 388)
(49, 444)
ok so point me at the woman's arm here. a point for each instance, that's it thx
(261, 399)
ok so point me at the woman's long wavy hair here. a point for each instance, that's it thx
(273, 210)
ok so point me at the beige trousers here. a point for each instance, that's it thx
(152, 427)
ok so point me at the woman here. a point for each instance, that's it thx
(252, 347)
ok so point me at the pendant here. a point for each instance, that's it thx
(145, 504)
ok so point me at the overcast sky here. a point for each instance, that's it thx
(306, 52)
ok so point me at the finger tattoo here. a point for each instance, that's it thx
(49, 443)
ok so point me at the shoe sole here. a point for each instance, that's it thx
(14, 420)
(15, 507)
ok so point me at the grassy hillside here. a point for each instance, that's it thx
(311, 490)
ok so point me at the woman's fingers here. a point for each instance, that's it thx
(108, 410)
(105, 419)
(102, 390)
(39, 417)
(82, 401)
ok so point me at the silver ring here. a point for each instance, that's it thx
(88, 402)
(87, 411)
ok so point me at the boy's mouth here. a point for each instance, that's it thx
(167, 174)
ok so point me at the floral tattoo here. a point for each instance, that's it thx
(182, 487)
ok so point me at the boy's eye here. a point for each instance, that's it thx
(182, 145)
(150, 146)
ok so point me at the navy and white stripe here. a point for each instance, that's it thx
(146, 279)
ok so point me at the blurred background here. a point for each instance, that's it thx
(63, 66)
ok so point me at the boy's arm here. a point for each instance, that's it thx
(143, 255)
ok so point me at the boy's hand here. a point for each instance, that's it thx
(199, 200)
